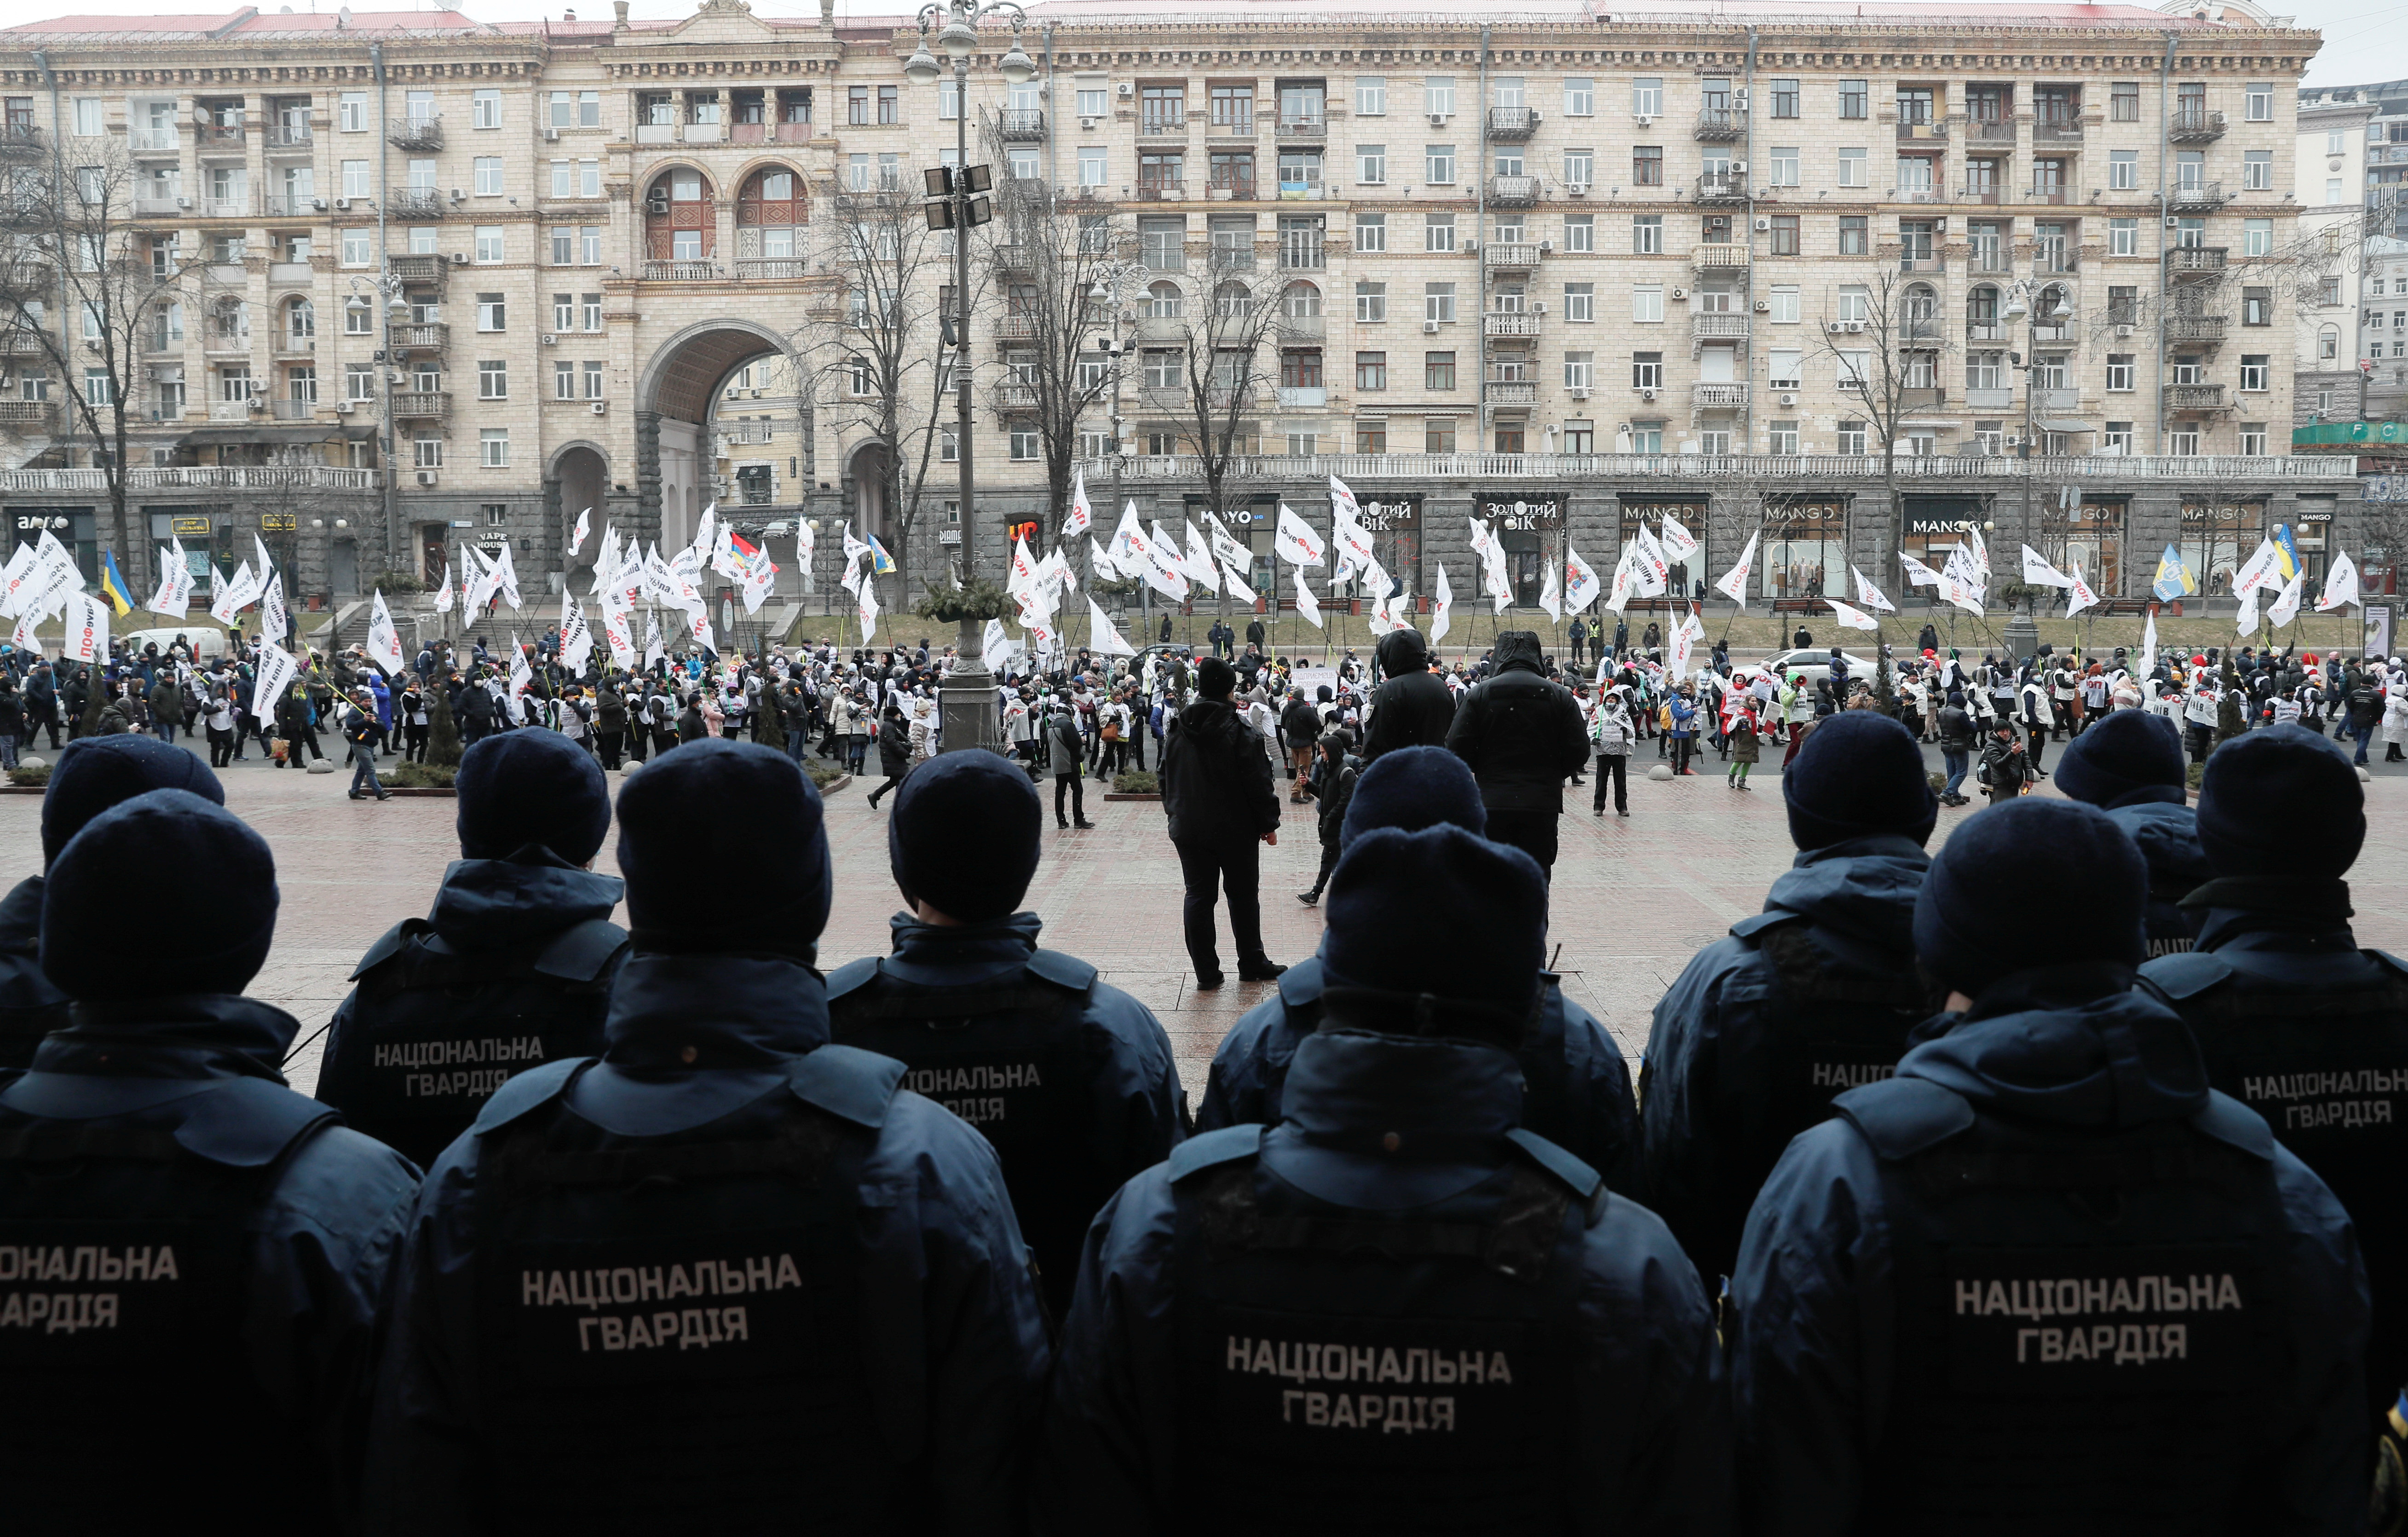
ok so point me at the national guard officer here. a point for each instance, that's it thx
(2045, 1278)
(1070, 1078)
(2294, 1019)
(512, 967)
(191, 1253)
(1577, 1088)
(2130, 764)
(1397, 1309)
(727, 1277)
(1812, 996)
(92, 775)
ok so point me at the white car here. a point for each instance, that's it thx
(1815, 663)
(205, 639)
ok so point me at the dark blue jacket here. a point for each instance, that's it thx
(1577, 1088)
(1639, 1436)
(1071, 1078)
(1951, 1311)
(1814, 995)
(942, 1326)
(164, 1125)
(31, 1007)
(2167, 832)
(511, 969)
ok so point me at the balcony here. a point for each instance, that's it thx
(1507, 256)
(233, 342)
(1302, 327)
(294, 411)
(20, 140)
(1512, 122)
(771, 269)
(1922, 397)
(1989, 193)
(1163, 397)
(772, 133)
(155, 142)
(1169, 126)
(2196, 261)
(421, 135)
(1515, 324)
(406, 404)
(1985, 330)
(1718, 327)
(424, 268)
(238, 411)
(1015, 328)
(20, 341)
(294, 206)
(160, 207)
(2057, 131)
(1719, 257)
(414, 205)
(221, 138)
(1303, 396)
(300, 345)
(2056, 400)
(1020, 124)
(1990, 398)
(1302, 254)
(23, 414)
(1303, 125)
(681, 272)
(2055, 197)
(1513, 192)
(226, 208)
(1013, 257)
(2196, 196)
(1921, 130)
(290, 135)
(1720, 125)
(1513, 392)
(1719, 396)
(1924, 262)
(430, 335)
(2197, 328)
(1162, 191)
(2195, 125)
(1722, 186)
(1015, 396)
(1991, 130)
(1704, 469)
(2194, 398)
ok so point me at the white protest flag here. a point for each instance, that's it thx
(1648, 566)
(1101, 637)
(619, 632)
(996, 647)
(2258, 570)
(1353, 540)
(1238, 591)
(1959, 566)
(1163, 571)
(655, 648)
(1342, 502)
(174, 582)
(1296, 542)
(1305, 602)
(25, 638)
(509, 574)
(698, 626)
(384, 641)
(1082, 516)
(1055, 569)
(1100, 564)
(1676, 543)
(1442, 610)
(576, 638)
(868, 595)
(235, 594)
(1917, 573)
(1226, 549)
(1676, 653)
(1962, 594)
(855, 552)
(1625, 584)
(444, 589)
(2040, 573)
(1021, 575)
(471, 572)
(1869, 595)
(273, 620)
(87, 629)
(1980, 554)
(806, 545)
(2245, 620)
(2078, 594)
(1202, 567)
(759, 581)
(576, 535)
(2148, 661)
(606, 562)
(2341, 585)
(2286, 605)
(1129, 544)
(522, 675)
(1733, 584)
(706, 535)
(1580, 585)
(265, 564)
(1854, 618)
(277, 670)
(1550, 594)
(15, 578)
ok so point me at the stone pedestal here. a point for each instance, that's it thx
(2023, 632)
(966, 697)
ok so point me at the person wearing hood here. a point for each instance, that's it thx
(2293, 1018)
(211, 1246)
(2130, 764)
(1810, 996)
(2046, 1278)
(1217, 794)
(1523, 737)
(727, 1272)
(1411, 707)
(1070, 1078)
(1496, 1341)
(1578, 1088)
(92, 775)
(511, 968)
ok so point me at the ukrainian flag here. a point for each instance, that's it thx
(2174, 578)
(112, 585)
(881, 562)
(2286, 555)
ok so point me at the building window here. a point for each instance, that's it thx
(2119, 370)
(1370, 233)
(493, 447)
(1852, 235)
(1785, 166)
(1438, 370)
(2253, 371)
(1647, 234)
(1784, 299)
(1579, 367)
(1371, 164)
(1439, 160)
(352, 112)
(1580, 302)
(1438, 94)
(564, 379)
(1437, 435)
(2257, 306)
(2257, 101)
(1023, 439)
(1853, 99)
(1370, 370)
(489, 244)
(427, 453)
(2123, 236)
(492, 312)
(2258, 170)
(1647, 165)
(1647, 98)
(1784, 98)
(1647, 301)
(492, 380)
(1438, 232)
(2124, 101)
(1371, 302)
(359, 317)
(1370, 96)
(2257, 236)
(485, 108)
(1580, 98)
(1785, 235)
(1646, 370)
(2328, 343)
(2253, 439)
(489, 176)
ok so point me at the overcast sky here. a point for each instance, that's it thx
(2360, 34)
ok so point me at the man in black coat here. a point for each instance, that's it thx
(1216, 790)
(1523, 737)
(1411, 708)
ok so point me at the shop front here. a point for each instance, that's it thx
(1936, 525)
(1688, 575)
(1804, 553)
(1530, 530)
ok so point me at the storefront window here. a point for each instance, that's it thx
(1531, 531)
(2217, 536)
(1395, 525)
(1690, 513)
(2094, 540)
(1805, 548)
(1934, 526)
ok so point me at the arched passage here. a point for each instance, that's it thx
(870, 473)
(579, 478)
(673, 466)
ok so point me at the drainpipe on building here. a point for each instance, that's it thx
(1747, 294)
(385, 292)
(1052, 120)
(58, 181)
(1480, 272)
(2165, 278)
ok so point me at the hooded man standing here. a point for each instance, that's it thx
(1217, 793)
(1522, 736)
(511, 969)
(2130, 764)
(1411, 707)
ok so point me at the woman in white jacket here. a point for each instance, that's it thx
(2395, 719)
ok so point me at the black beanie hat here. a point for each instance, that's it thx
(2283, 802)
(520, 787)
(723, 849)
(2128, 758)
(1389, 882)
(1215, 678)
(98, 773)
(1992, 903)
(1858, 773)
(965, 835)
(1413, 788)
(214, 946)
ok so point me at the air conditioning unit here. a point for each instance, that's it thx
(1127, 90)
(1738, 101)
(656, 206)
(1646, 395)
(1856, 327)
(2173, 222)
(1546, 245)
(345, 408)
(426, 477)
(186, 203)
(319, 204)
(1429, 328)
(459, 196)
(459, 258)
(258, 403)
(1578, 394)
(601, 408)
(1646, 120)
(1471, 245)
(1680, 294)
(2123, 330)
(1438, 119)
(552, 136)
(552, 338)
(1835, 327)
(1764, 306)
(1739, 167)
(1764, 226)
(1789, 400)
(1537, 310)
(1088, 124)
(1576, 189)
(396, 379)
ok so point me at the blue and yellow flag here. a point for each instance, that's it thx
(112, 585)
(880, 561)
(2286, 555)
(2174, 578)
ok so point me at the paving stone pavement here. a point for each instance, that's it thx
(1632, 900)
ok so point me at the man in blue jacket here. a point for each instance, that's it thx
(1812, 996)
(2292, 1017)
(1577, 1086)
(93, 774)
(1070, 1078)
(191, 1253)
(728, 1276)
(2045, 1278)
(1396, 1310)
(511, 969)
(2130, 764)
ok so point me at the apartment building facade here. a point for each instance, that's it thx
(1537, 265)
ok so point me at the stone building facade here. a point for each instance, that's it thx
(1538, 262)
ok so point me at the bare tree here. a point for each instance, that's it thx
(1888, 361)
(1228, 335)
(84, 284)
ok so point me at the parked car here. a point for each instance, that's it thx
(1815, 663)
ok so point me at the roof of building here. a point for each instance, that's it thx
(248, 22)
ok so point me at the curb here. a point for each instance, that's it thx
(1132, 795)
(834, 784)
(421, 790)
(24, 789)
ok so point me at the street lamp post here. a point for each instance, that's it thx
(2022, 303)
(971, 715)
